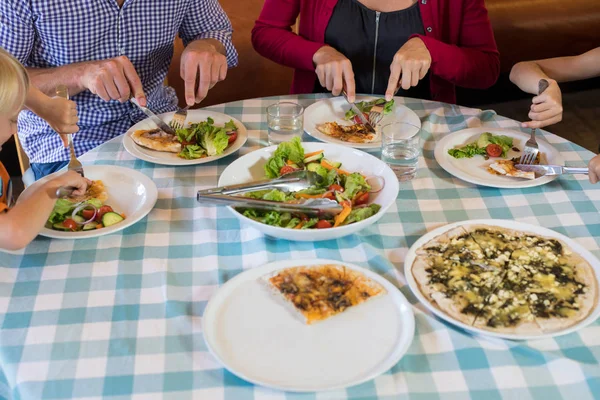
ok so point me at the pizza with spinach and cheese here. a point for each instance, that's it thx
(506, 281)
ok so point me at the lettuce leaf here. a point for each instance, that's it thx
(230, 126)
(359, 214)
(328, 175)
(275, 195)
(192, 152)
(291, 150)
(61, 209)
(467, 151)
(355, 183)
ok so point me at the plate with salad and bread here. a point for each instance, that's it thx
(207, 136)
(117, 198)
(333, 121)
(487, 157)
(363, 185)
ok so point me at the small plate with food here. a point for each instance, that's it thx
(505, 279)
(207, 136)
(307, 325)
(333, 121)
(117, 198)
(487, 157)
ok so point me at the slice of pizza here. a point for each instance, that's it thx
(158, 140)
(94, 191)
(318, 292)
(507, 168)
(357, 133)
(497, 243)
(455, 244)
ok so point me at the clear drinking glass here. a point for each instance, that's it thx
(400, 148)
(285, 120)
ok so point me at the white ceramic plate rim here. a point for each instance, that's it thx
(511, 224)
(449, 141)
(163, 158)
(310, 124)
(145, 208)
(309, 235)
(404, 311)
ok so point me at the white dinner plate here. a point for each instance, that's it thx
(519, 226)
(129, 192)
(334, 109)
(194, 116)
(250, 167)
(473, 170)
(258, 339)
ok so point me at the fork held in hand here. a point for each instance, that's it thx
(178, 121)
(531, 150)
(74, 164)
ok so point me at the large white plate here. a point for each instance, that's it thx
(473, 170)
(129, 192)
(194, 116)
(333, 110)
(520, 226)
(255, 337)
(250, 168)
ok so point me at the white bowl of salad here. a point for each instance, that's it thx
(364, 185)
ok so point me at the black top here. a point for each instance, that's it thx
(369, 39)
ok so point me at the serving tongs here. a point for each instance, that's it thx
(291, 182)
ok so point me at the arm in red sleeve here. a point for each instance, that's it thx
(475, 62)
(272, 36)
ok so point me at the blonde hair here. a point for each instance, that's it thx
(14, 83)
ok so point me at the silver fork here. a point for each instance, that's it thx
(375, 115)
(531, 150)
(74, 164)
(178, 121)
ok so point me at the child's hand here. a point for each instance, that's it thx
(594, 167)
(61, 115)
(70, 179)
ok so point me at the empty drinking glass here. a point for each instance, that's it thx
(285, 120)
(400, 148)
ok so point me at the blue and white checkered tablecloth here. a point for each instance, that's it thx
(119, 316)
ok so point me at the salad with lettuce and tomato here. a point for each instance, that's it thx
(204, 139)
(350, 189)
(366, 106)
(487, 145)
(83, 216)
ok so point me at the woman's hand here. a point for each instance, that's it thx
(409, 66)
(61, 115)
(334, 71)
(594, 167)
(546, 108)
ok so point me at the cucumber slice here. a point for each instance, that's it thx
(60, 227)
(333, 163)
(316, 157)
(313, 166)
(295, 166)
(79, 219)
(111, 218)
(90, 226)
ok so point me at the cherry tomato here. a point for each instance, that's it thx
(286, 170)
(70, 224)
(493, 150)
(323, 224)
(303, 217)
(329, 195)
(87, 214)
(357, 120)
(232, 137)
(101, 211)
(362, 199)
(336, 187)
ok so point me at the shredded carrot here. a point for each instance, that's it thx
(289, 162)
(99, 226)
(326, 165)
(299, 225)
(122, 215)
(341, 217)
(314, 153)
(309, 196)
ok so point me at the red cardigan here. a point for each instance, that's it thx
(458, 35)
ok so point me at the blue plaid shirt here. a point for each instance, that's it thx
(47, 34)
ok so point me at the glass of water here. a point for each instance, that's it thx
(285, 120)
(400, 148)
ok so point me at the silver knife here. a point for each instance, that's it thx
(551, 169)
(314, 207)
(362, 118)
(159, 122)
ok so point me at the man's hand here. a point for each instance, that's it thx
(334, 71)
(113, 79)
(409, 66)
(61, 115)
(202, 60)
(546, 108)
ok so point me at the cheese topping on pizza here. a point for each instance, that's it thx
(507, 281)
(321, 291)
